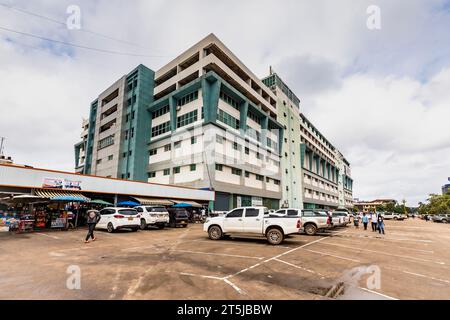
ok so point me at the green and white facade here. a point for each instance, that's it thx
(204, 121)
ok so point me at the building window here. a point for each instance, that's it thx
(236, 146)
(161, 111)
(219, 167)
(193, 167)
(110, 157)
(176, 170)
(160, 129)
(258, 156)
(130, 153)
(247, 174)
(124, 154)
(99, 161)
(237, 172)
(132, 132)
(187, 98)
(177, 144)
(166, 172)
(254, 117)
(259, 177)
(167, 147)
(106, 142)
(227, 119)
(267, 179)
(252, 133)
(126, 134)
(229, 100)
(193, 140)
(247, 150)
(152, 152)
(152, 174)
(187, 118)
(219, 139)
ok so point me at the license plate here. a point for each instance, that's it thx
(130, 219)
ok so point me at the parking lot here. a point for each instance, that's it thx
(413, 259)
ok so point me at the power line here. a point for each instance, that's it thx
(64, 24)
(79, 46)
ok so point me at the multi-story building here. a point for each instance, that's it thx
(446, 188)
(205, 120)
(371, 206)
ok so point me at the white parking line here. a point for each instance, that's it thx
(332, 255)
(241, 244)
(219, 254)
(380, 238)
(388, 254)
(418, 250)
(380, 294)
(224, 279)
(301, 268)
(424, 276)
(46, 235)
(278, 256)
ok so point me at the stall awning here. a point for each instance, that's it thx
(190, 203)
(62, 194)
(153, 201)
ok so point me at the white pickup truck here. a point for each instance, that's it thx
(252, 221)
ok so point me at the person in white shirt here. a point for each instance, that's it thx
(373, 220)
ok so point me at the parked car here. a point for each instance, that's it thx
(393, 216)
(119, 218)
(312, 220)
(155, 216)
(252, 221)
(444, 218)
(178, 217)
(344, 218)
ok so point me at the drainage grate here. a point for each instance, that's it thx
(335, 291)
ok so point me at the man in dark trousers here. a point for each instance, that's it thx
(93, 217)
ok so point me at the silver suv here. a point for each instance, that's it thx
(444, 218)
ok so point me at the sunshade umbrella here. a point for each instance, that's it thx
(182, 205)
(68, 199)
(101, 202)
(127, 204)
(26, 198)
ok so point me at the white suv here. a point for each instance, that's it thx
(156, 216)
(118, 218)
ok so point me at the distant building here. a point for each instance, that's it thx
(5, 160)
(367, 206)
(446, 188)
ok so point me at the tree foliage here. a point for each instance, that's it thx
(436, 204)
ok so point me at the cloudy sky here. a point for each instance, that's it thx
(382, 96)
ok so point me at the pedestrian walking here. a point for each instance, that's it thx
(373, 220)
(380, 224)
(365, 220)
(93, 217)
(356, 221)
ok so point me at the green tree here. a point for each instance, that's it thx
(380, 208)
(390, 207)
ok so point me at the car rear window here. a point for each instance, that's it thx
(128, 212)
(320, 214)
(292, 212)
(249, 212)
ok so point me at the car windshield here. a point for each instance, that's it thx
(181, 214)
(128, 212)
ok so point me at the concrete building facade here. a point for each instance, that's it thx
(204, 120)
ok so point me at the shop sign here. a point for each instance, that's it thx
(59, 223)
(63, 184)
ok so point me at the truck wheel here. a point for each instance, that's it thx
(110, 228)
(143, 225)
(135, 229)
(395, 218)
(275, 236)
(444, 221)
(215, 233)
(310, 229)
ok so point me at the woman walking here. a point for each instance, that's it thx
(380, 224)
(93, 217)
